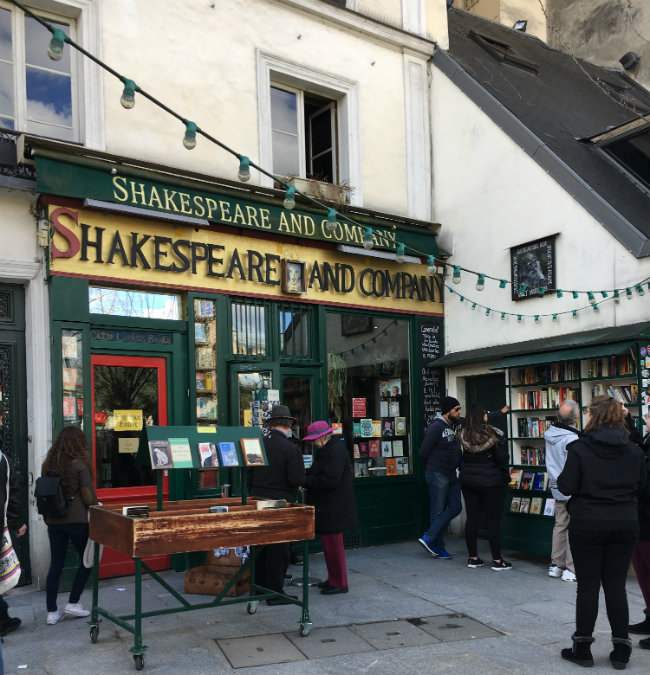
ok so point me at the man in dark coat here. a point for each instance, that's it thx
(16, 523)
(279, 480)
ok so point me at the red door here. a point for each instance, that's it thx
(128, 392)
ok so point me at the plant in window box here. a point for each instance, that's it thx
(337, 378)
(338, 193)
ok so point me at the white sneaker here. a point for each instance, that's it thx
(54, 617)
(568, 575)
(554, 571)
(75, 609)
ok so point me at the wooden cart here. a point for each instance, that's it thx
(185, 526)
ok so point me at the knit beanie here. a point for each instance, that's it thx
(448, 403)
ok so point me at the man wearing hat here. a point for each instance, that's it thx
(279, 480)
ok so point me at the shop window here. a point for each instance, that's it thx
(72, 377)
(368, 391)
(37, 95)
(294, 333)
(248, 329)
(141, 304)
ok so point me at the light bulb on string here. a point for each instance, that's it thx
(473, 305)
(456, 276)
(554, 318)
(290, 198)
(574, 313)
(431, 265)
(244, 173)
(559, 293)
(503, 316)
(189, 140)
(503, 283)
(55, 48)
(617, 297)
(541, 290)
(522, 288)
(480, 282)
(462, 298)
(330, 227)
(575, 295)
(518, 318)
(399, 254)
(628, 293)
(537, 321)
(591, 297)
(595, 307)
(604, 294)
(128, 95)
(639, 289)
(368, 242)
(487, 312)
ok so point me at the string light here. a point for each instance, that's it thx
(541, 290)
(591, 297)
(244, 173)
(522, 288)
(128, 95)
(55, 48)
(575, 294)
(480, 282)
(456, 276)
(473, 305)
(628, 293)
(331, 221)
(399, 254)
(431, 265)
(189, 140)
(554, 319)
(290, 198)
(559, 293)
(503, 316)
(604, 294)
(617, 297)
(575, 313)
(537, 321)
(487, 312)
(595, 307)
(503, 283)
(639, 289)
(518, 318)
(367, 240)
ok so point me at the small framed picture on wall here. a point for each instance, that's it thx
(293, 277)
(533, 268)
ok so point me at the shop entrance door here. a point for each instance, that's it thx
(128, 393)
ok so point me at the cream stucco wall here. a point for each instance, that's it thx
(490, 196)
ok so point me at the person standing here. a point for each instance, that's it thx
(483, 479)
(330, 490)
(603, 473)
(557, 437)
(16, 522)
(284, 474)
(69, 458)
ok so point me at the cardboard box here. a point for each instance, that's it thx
(210, 580)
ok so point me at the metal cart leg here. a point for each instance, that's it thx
(138, 650)
(94, 614)
(305, 623)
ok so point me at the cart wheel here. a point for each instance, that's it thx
(304, 630)
(94, 634)
(252, 607)
(139, 661)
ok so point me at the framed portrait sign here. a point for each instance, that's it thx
(293, 277)
(532, 267)
(253, 452)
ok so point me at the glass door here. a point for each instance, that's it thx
(300, 390)
(128, 393)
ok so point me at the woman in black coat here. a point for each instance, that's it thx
(330, 490)
(603, 473)
(483, 479)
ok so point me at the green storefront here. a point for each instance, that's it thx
(175, 300)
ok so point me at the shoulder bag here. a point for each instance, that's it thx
(9, 563)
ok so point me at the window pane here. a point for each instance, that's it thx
(321, 132)
(72, 377)
(284, 113)
(37, 39)
(248, 330)
(294, 332)
(117, 302)
(49, 98)
(286, 161)
(5, 35)
(7, 91)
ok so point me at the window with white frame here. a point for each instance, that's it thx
(37, 95)
(309, 123)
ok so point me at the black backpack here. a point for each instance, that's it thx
(50, 499)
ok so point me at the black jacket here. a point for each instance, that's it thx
(439, 451)
(15, 518)
(485, 465)
(284, 473)
(330, 489)
(603, 473)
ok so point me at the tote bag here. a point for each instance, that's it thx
(9, 565)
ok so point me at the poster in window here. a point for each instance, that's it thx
(358, 407)
(533, 268)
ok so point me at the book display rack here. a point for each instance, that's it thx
(205, 350)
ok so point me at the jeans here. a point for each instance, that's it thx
(487, 501)
(444, 495)
(59, 536)
(601, 557)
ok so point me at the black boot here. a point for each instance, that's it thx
(580, 653)
(9, 624)
(642, 628)
(620, 655)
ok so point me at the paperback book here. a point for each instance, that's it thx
(527, 479)
(228, 454)
(391, 466)
(398, 448)
(402, 464)
(515, 478)
(514, 504)
(524, 506)
(209, 458)
(541, 481)
(386, 449)
(160, 455)
(181, 453)
(536, 505)
(374, 448)
(549, 507)
(400, 426)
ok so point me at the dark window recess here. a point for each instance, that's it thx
(294, 332)
(633, 153)
(502, 51)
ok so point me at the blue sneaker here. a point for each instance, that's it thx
(427, 544)
(442, 554)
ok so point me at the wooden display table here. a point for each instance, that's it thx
(186, 526)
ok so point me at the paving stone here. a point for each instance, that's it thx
(323, 642)
(452, 627)
(391, 634)
(259, 650)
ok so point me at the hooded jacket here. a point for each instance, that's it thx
(484, 464)
(603, 473)
(557, 437)
(439, 451)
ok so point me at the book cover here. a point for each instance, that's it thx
(527, 479)
(337, 427)
(524, 506)
(514, 504)
(200, 333)
(383, 408)
(200, 381)
(373, 448)
(541, 481)
(160, 455)
(70, 378)
(204, 357)
(356, 428)
(398, 448)
(515, 478)
(536, 505)
(228, 454)
(307, 460)
(361, 468)
(366, 428)
(376, 428)
(386, 449)
(264, 504)
(208, 453)
(181, 453)
(363, 449)
(205, 308)
(252, 451)
(377, 466)
(402, 466)
(358, 407)
(549, 507)
(68, 406)
(400, 426)
(393, 409)
(391, 466)
(355, 451)
(387, 428)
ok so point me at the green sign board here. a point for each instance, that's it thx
(70, 180)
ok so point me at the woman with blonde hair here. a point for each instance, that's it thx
(69, 458)
(603, 473)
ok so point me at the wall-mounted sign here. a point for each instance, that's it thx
(533, 268)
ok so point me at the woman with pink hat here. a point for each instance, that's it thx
(330, 490)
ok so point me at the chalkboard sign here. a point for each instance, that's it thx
(431, 379)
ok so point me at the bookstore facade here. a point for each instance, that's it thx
(182, 304)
